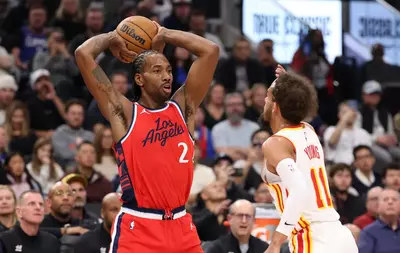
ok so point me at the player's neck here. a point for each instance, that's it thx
(150, 103)
(279, 124)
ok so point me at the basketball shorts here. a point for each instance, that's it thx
(149, 232)
(323, 237)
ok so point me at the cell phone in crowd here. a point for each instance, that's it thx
(353, 104)
(238, 172)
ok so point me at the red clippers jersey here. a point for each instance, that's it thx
(155, 158)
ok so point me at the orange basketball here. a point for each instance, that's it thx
(138, 33)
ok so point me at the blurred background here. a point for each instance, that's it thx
(51, 129)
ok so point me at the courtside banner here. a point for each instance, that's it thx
(286, 22)
(373, 22)
(267, 219)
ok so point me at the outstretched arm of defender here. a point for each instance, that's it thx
(202, 71)
(280, 155)
(110, 101)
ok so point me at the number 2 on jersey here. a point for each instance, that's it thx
(321, 187)
(184, 152)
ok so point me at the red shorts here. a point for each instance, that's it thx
(131, 232)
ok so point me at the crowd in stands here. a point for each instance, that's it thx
(58, 171)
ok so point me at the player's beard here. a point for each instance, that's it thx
(267, 114)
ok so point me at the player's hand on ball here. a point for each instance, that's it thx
(158, 42)
(119, 50)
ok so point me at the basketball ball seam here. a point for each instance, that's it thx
(141, 29)
(130, 42)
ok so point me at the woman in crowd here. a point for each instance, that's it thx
(69, 17)
(17, 176)
(8, 203)
(43, 168)
(214, 110)
(21, 138)
(106, 163)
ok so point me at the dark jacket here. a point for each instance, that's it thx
(94, 241)
(16, 238)
(229, 243)
(226, 73)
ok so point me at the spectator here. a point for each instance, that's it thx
(26, 236)
(364, 178)
(391, 177)
(45, 105)
(340, 140)
(31, 39)
(210, 211)
(241, 220)
(127, 9)
(179, 18)
(376, 68)
(21, 138)
(203, 136)
(262, 195)
(265, 53)
(378, 122)
(95, 118)
(8, 88)
(8, 202)
(310, 61)
(94, 23)
(257, 102)
(202, 175)
(79, 211)
(348, 204)
(384, 234)
(355, 231)
(232, 136)
(214, 110)
(18, 16)
(58, 61)
(42, 168)
(255, 161)
(98, 185)
(59, 222)
(17, 176)
(69, 18)
(181, 62)
(372, 208)
(198, 26)
(239, 72)
(99, 240)
(106, 163)
(67, 137)
(3, 145)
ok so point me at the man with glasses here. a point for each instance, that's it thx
(25, 236)
(59, 222)
(241, 220)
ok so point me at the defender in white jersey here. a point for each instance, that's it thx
(295, 173)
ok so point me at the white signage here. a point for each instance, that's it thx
(286, 23)
(371, 23)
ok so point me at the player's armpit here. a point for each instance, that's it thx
(277, 148)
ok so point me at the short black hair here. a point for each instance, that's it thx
(84, 143)
(74, 101)
(392, 166)
(137, 68)
(360, 147)
(10, 156)
(295, 96)
(338, 168)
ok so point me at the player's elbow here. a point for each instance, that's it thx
(214, 49)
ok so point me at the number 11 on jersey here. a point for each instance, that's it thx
(321, 188)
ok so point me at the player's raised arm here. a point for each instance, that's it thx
(279, 154)
(202, 71)
(110, 101)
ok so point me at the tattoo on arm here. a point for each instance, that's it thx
(188, 107)
(104, 85)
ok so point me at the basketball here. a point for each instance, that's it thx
(138, 33)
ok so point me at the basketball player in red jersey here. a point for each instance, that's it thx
(155, 148)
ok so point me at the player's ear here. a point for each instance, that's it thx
(139, 79)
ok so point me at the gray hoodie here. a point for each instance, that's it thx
(65, 141)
